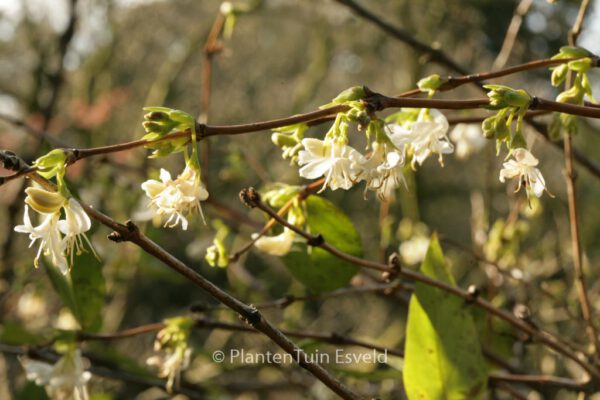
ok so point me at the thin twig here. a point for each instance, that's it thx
(435, 55)
(570, 177)
(511, 34)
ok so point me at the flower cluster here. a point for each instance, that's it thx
(176, 355)
(174, 200)
(59, 238)
(411, 138)
(64, 380)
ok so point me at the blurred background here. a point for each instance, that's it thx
(77, 74)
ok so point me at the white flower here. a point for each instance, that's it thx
(383, 170)
(330, 158)
(413, 251)
(426, 136)
(171, 363)
(468, 139)
(74, 226)
(278, 245)
(51, 243)
(176, 199)
(524, 167)
(65, 380)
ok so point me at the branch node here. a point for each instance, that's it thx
(251, 315)
(116, 237)
(473, 292)
(200, 130)
(522, 312)
(534, 103)
(11, 161)
(250, 197)
(395, 268)
(316, 240)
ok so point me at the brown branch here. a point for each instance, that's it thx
(570, 177)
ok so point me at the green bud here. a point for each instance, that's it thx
(217, 255)
(489, 127)
(51, 164)
(559, 74)
(571, 96)
(431, 83)
(581, 65)
(503, 96)
(282, 140)
(570, 123)
(571, 52)
(502, 129)
(354, 93)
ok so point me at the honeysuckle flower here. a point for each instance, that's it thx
(330, 158)
(51, 243)
(426, 136)
(383, 169)
(170, 364)
(468, 139)
(523, 166)
(65, 380)
(278, 245)
(175, 355)
(175, 200)
(74, 227)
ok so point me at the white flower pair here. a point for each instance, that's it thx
(175, 200)
(52, 244)
(64, 380)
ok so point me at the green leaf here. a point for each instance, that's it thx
(88, 290)
(315, 267)
(83, 293)
(443, 357)
(62, 286)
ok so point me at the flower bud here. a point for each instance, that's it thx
(571, 52)
(217, 255)
(282, 140)
(43, 201)
(559, 74)
(581, 65)
(431, 83)
(571, 96)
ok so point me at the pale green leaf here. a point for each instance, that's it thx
(443, 359)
